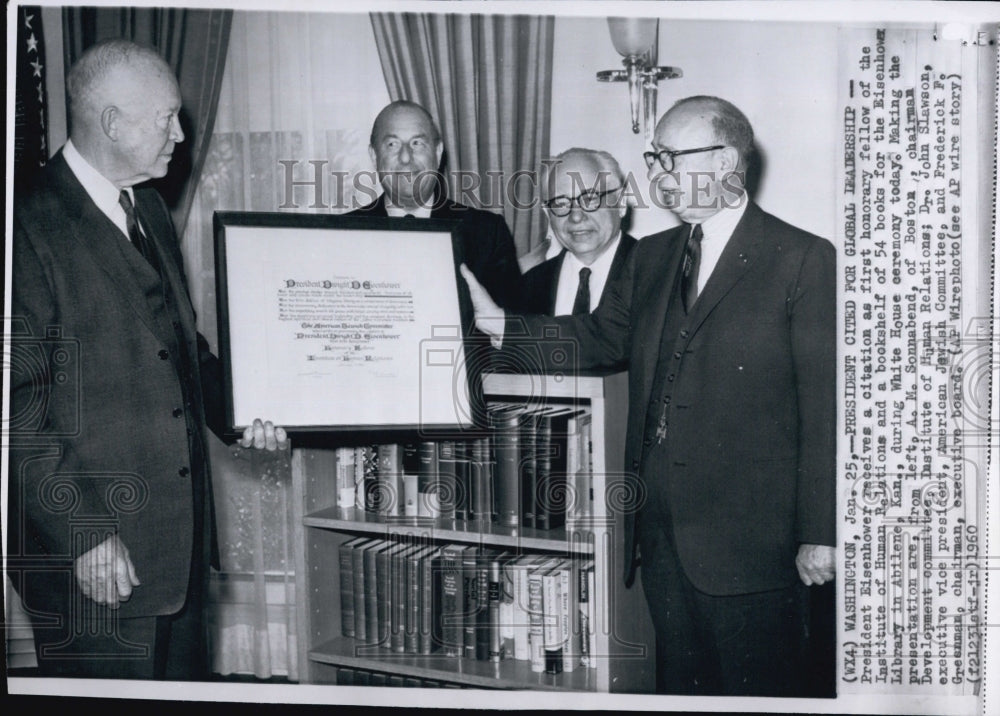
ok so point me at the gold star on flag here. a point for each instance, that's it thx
(38, 68)
(32, 43)
(27, 20)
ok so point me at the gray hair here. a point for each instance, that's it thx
(85, 81)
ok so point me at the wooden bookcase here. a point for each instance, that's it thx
(625, 647)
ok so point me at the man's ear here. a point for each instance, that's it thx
(730, 159)
(439, 152)
(109, 122)
(371, 155)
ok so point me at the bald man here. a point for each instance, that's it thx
(110, 510)
(583, 190)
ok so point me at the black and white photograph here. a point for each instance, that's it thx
(632, 356)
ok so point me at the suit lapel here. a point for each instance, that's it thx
(736, 259)
(128, 273)
(554, 268)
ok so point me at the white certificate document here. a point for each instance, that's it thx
(338, 328)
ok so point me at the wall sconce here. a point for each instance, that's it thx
(635, 39)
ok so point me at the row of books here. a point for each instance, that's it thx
(365, 677)
(468, 601)
(534, 470)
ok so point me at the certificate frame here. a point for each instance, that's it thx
(264, 343)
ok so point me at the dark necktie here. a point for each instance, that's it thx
(692, 262)
(135, 235)
(582, 303)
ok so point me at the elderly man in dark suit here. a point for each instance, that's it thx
(406, 149)
(110, 519)
(584, 191)
(727, 324)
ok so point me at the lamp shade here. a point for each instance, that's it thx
(632, 35)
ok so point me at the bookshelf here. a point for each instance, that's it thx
(623, 646)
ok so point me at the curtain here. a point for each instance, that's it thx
(194, 43)
(296, 103)
(487, 81)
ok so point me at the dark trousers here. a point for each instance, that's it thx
(88, 641)
(747, 644)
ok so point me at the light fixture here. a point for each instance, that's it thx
(635, 39)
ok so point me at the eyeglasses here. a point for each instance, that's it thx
(666, 156)
(587, 201)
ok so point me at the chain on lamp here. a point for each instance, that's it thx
(635, 39)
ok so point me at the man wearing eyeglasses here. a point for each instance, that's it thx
(728, 326)
(585, 207)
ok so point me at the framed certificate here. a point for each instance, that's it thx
(341, 323)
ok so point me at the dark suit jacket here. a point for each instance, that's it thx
(102, 431)
(750, 472)
(541, 283)
(487, 245)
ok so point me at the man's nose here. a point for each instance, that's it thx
(576, 214)
(405, 154)
(176, 133)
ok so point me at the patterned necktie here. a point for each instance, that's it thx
(582, 303)
(692, 262)
(135, 235)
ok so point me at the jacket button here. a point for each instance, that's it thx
(670, 378)
(635, 464)
(163, 354)
(183, 472)
(677, 355)
(178, 412)
(666, 400)
(648, 440)
(684, 334)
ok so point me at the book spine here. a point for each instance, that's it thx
(428, 489)
(347, 588)
(470, 602)
(371, 593)
(567, 613)
(507, 608)
(528, 460)
(494, 599)
(536, 632)
(483, 607)
(450, 618)
(521, 618)
(412, 617)
(425, 642)
(583, 596)
(584, 488)
(360, 477)
(552, 623)
(345, 476)
(383, 580)
(507, 476)
(411, 479)
(543, 471)
(447, 479)
(358, 568)
(390, 474)
(397, 606)
(574, 493)
(477, 493)
(463, 509)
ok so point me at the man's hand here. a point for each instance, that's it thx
(106, 574)
(817, 563)
(489, 316)
(264, 436)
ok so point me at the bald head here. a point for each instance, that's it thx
(730, 125)
(124, 103)
(406, 150)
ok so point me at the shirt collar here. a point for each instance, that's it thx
(101, 190)
(601, 265)
(421, 212)
(721, 224)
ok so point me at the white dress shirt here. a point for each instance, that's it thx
(421, 212)
(569, 278)
(716, 232)
(101, 191)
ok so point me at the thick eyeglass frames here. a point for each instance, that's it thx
(666, 156)
(587, 201)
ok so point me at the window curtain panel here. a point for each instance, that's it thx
(194, 43)
(298, 96)
(487, 81)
